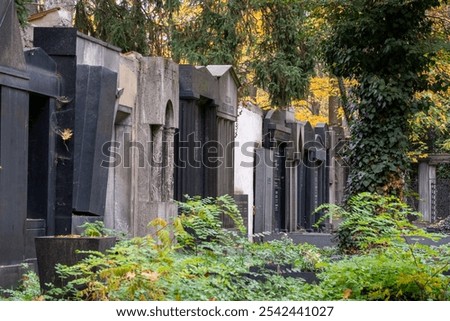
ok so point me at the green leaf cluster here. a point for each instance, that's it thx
(201, 220)
(383, 260)
(139, 25)
(98, 229)
(28, 289)
(22, 11)
(373, 221)
(283, 54)
(213, 36)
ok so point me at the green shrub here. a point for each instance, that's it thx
(201, 221)
(194, 258)
(191, 258)
(28, 289)
(96, 229)
(373, 221)
(397, 273)
(284, 252)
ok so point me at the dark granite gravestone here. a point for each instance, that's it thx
(42, 138)
(323, 140)
(66, 250)
(305, 177)
(264, 199)
(293, 179)
(60, 45)
(94, 118)
(274, 200)
(86, 107)
(204, 143)
(28, 87)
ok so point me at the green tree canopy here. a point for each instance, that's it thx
(268, 41)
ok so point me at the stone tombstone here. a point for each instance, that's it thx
(141, 186)
(295, 148)
(264, 191)
(323, 141)
(10, 53)
(197, 82)
(94, 117)
(227, 102)
(337, 167)
(279, 185)
(205, 141)
(43, 136)
(87, 107)
(120, 208)
(14, 113)
(228, 84)
(197, 114)
(29, 85)
(306, 173)
(157, 112)
(293, 166)
(426, 181)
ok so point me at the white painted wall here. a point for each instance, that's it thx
(249, 136)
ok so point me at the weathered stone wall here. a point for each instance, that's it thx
(48, 4)
(141, 184)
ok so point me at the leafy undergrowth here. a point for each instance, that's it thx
(194, 258)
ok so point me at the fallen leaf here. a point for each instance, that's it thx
(152, 276)
(347, 294)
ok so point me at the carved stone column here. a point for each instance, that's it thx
(168, 166)
(157, 164)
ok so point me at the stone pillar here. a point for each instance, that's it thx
(427, 177)
(264, 191)
(337, 176)
(142, 177)
(291, 194)
(157, 110)
(118, 212)
(167, 193)
(156, 164)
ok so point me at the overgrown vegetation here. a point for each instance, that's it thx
(383, 261)
(27, 290)
(386, 47)
(403, 273)
(97, 229)
(191, 258)
(194, 258)
(372, 221)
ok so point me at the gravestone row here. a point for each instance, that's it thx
(88, 133)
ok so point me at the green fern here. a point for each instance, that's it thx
(372, 221)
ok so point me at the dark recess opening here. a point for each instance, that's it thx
(38, 157)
